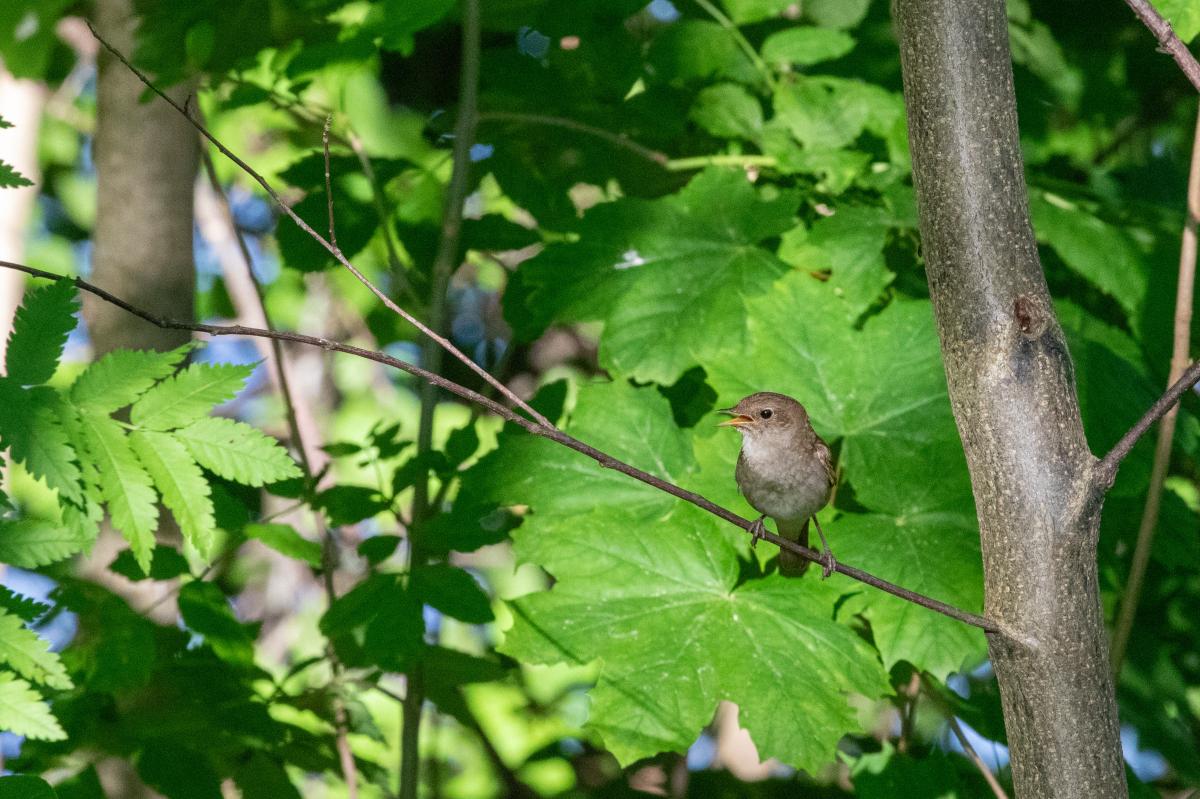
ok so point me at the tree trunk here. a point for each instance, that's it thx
(146, 159)
(1012, 387)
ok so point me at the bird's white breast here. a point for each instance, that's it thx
(784, 484)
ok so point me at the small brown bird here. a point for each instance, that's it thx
(784, 471)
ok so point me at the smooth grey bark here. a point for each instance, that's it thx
(1012, 387)
(146, 158)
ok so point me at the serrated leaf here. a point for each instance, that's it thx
(181, 484)
(189, 395)
(23, 712)
(124, 484)
(30, 656)
(167, 563)
(28, 609)
(284, 539)
(643, 265)
(237, 451)
(652, 587)
(122, 376)
(31, 543)
(47, 452)
(39, 333)
(10, 178)
(729, 111)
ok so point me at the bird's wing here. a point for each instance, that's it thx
(826, 458)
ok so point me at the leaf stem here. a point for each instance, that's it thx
(701, 161)
(725, 22)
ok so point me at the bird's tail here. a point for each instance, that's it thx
(791, 564)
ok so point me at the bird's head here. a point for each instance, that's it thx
(766, 413)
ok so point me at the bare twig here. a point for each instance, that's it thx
(1168, 42)
(329, 182)
(321, 240)
(1184, 292)
(1106, 469)
(956, 728)
(620, 140)
(605, 460)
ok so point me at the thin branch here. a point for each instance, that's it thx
(551, 433)
(1184, 292)
(329, 182)
(1168, 42)
(321, 240)
(1106, 469)
(618, 139)
(956, 728)
(701, 161)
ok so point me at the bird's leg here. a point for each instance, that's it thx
(757, 529)
(829, 562)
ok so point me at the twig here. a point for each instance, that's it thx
(1168, 42)
(620, 140)
(968, 750)
(701, 161)
(1184, 292)
(551, 433)
(317, 237)
(1106, 469)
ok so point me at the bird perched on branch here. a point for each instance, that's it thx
(784, 471)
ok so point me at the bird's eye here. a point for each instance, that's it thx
(765, 413)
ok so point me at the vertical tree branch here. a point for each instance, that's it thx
(444, 264)
(1166, 430)
(1011, 385)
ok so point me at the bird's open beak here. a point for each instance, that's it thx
(738, 419)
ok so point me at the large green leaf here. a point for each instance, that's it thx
(33, 426)
(237, 451)
(24, 712)
(179, 480)
(28, 655)
(30, 543)
(643, 266)
(189, 395)
(125, 485)
(651, 588)
(40, 330)
(121, 376)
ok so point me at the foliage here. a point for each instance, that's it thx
(668, 209)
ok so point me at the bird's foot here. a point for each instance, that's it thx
(828, 564)
(757, 531)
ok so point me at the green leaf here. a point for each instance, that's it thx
(261, 777)
(746, 11)
(28, 609)
(376, 623)
(729, 111)
(40, 330)
(30, 656)
(189, 395)
(205, 610)
(841, 14)
(122, 376)
(25, 787)
(806, 46)
(236, 451)
(167, 563)
(1097, 251)
(30, 543)
(641, 266)
(1184, 16)
(890, 775)
(159, 767)
(350, 504)
(124, 484)
(179, 480)
(640, 573)
(699, 50)
(22, 711)
(284, 539)
(33, 427)
(10, 178)
(452, 591)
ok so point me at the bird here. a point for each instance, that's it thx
(784, 471)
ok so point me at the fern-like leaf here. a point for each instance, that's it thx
(30, 656)
(237, 451)
(30, 610)
(22, 711)
(189, 395)
(45, 448)
(125, 485)
(40, 330)
(121, 376)
(30, 543)
(179, 480)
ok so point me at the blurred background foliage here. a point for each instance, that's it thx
(670, 205)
